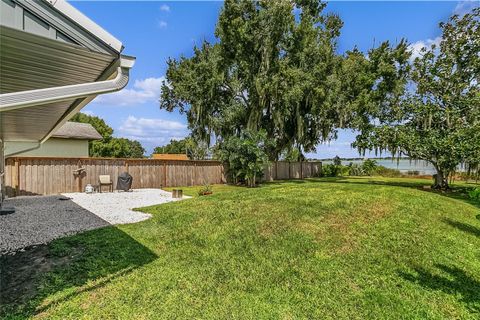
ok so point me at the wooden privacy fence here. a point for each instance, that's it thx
(31, 176)
(43, 176)
(284, 170)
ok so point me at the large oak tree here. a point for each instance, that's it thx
(273, 68)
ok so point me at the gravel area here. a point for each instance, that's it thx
(40, 219)
(115, 207)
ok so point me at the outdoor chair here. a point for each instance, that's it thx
(105, 180)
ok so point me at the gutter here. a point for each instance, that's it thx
(24, 99)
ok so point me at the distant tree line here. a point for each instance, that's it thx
(195, 150)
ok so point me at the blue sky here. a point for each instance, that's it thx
(153, 31)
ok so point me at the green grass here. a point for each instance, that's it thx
(343, 248)
(217, 188)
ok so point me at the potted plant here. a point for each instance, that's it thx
(205, 190)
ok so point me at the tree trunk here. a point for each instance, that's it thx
(440, 179)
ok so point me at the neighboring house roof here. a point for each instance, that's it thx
(169, 156)
(77, 130)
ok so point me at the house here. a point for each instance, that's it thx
(70, 141)
(53, 61)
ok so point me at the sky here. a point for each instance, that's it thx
(154, 31)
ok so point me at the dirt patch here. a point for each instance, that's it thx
(22, 270)
(271, 228)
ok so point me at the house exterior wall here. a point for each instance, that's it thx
(54, 147)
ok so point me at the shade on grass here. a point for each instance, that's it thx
(332, 248)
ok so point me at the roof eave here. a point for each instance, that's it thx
(86, 23)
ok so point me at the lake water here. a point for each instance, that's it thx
(404, 165)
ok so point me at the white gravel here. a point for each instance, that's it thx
(115, 207)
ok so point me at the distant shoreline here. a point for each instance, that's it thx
(364, 158)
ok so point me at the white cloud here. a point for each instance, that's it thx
(464, 7)
(461, 9)
(162, 24)
(416, 47)
(152, 132)
(165, 8)
(88, 112)
(143, 91)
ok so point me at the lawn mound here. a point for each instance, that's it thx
(329, 248)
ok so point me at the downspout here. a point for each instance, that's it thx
(2, 173)
(3, 210)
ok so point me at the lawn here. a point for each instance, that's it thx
(356, 248)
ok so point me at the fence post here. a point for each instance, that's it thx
(289, 170)
(16, 183)
(301, 169)
(79, 165)
(222, 170)
(164, 174)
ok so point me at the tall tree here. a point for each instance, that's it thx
(273, 68)
(436, 117)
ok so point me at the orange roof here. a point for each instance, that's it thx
(169, 156)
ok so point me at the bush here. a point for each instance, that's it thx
(413, 172)
(355, 169)
(387, 172)
(369, 166)
(245, 156)
(474, 194)
(206, 189)
(330, 170)
(366, 168)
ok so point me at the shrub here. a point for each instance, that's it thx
(474, 194)
(344, 170)
(245, 156)
(369, 166)
(355, 169)
(330, 170)
(206, 189)
(387, 172)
